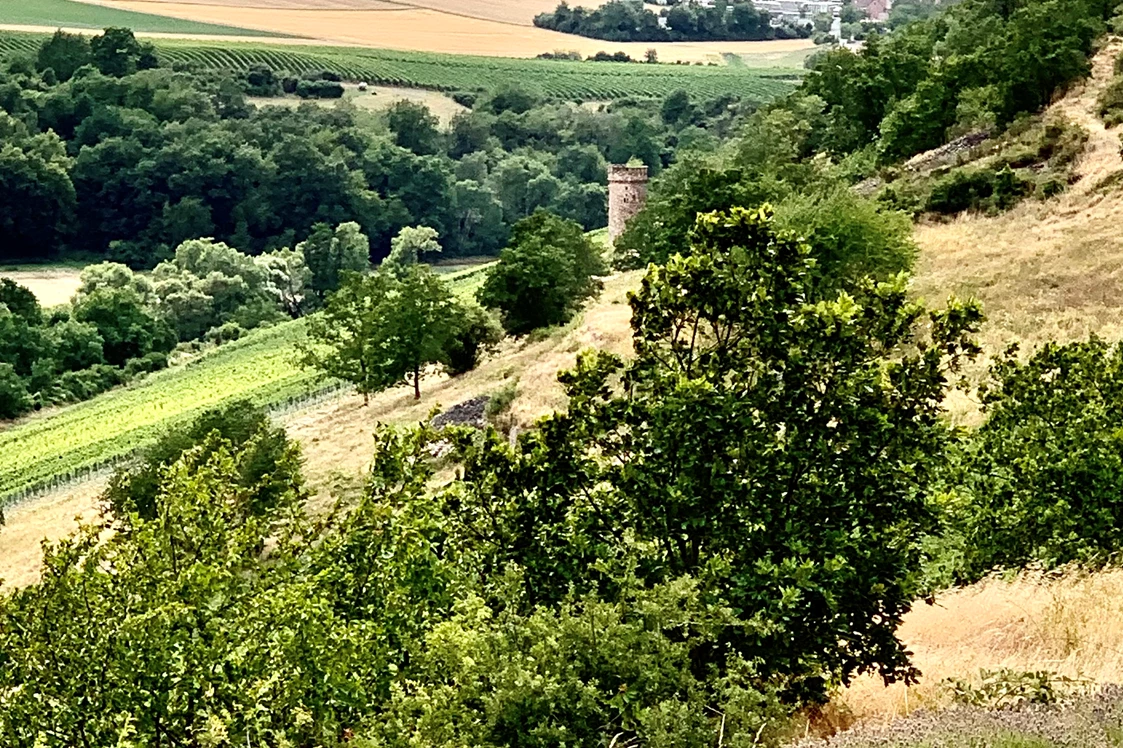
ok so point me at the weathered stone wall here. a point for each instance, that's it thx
(627, 193)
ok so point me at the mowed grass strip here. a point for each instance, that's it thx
(556, 78)
(261, 367)
(69, 14)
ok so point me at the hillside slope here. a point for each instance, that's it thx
(1045, 270)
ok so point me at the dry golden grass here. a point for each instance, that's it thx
(497, 28)
(50, 518)
(1070, 624)
(1049, 270)
(52, 286)
(336, 437)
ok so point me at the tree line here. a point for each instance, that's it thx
(629, 21)
(110, 155)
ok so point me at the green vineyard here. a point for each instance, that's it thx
(556, 78)
(70, 443)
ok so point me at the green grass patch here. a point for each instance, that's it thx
(577, 81)
(69, 14)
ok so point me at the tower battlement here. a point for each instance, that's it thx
(627, 194)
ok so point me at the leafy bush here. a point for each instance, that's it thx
(960, 190)
(14, 398)
(1040, 481)
(266, 462)
(1110, 103)
(476, 333)
(550, 268)
(76, 386)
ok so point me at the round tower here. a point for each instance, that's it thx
(627, 193)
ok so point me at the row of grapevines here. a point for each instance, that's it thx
(557, 78)
(261, 367)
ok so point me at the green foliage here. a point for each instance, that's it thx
(835, 418)
(414, 127)
(1004, 688)
(117, 53)
(1039, 482)
(331, 254)
(477, 331)
(64, 54)
(969, 64)
(127, 327)
(544, 276)
(38, 193)
(381, 330)
(408, 246)
(14, 398)
(266, 463)
(622, 21)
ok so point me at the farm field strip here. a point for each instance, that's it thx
(72, 442)
(493, 28)
(562, 79)
(70, 14)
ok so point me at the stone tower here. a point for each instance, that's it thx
(627, 193)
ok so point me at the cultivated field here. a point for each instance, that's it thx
(562, 79)
(64, 444)
(51, 285)
(70, 14)
(378, 98)
(496, 28)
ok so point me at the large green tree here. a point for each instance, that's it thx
(776, 448)
(544, 276)
(381, 330)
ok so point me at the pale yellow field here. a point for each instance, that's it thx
(497, 28)
(1071, 625)
(378, 98)
(52, 286)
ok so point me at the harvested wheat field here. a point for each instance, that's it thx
(52, 286)
(494, 28)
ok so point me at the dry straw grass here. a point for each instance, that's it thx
(1071, 624)
(52, 286)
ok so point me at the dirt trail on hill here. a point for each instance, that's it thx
(1102, 156)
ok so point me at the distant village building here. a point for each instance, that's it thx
(627, 194)
(876, 10)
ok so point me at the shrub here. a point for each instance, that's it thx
(267, 462)
(14, 398)
(544, 276)
(1039, 483)
(960, 190)
(76, 386)
(225, 333)
(477, 332)
(146, 364)
(465, 98)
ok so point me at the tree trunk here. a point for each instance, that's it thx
(416, 384)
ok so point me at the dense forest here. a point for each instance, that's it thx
(629, 21)
(717, 531)
(118, 157)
